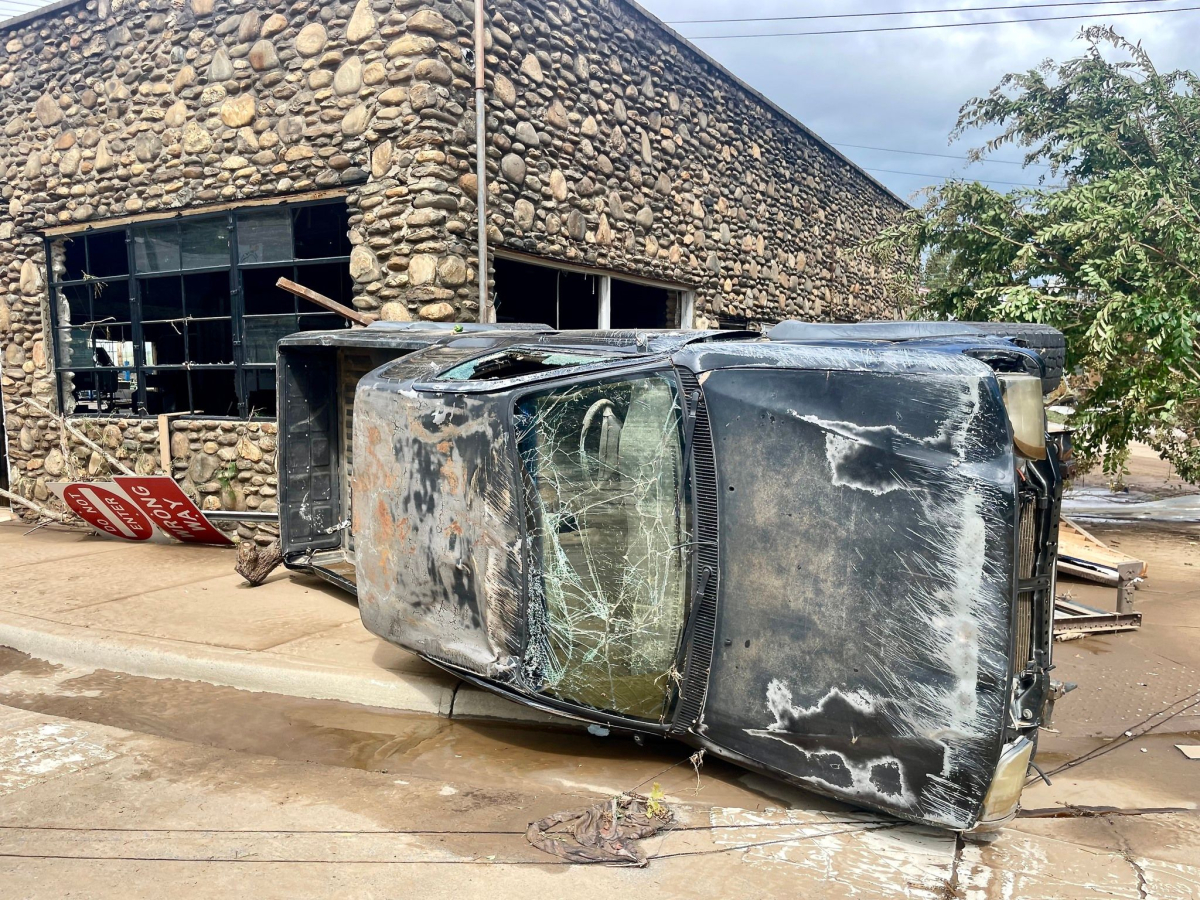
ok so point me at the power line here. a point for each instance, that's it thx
(1007, 162)
(912, 12)
(957, 178)
(725, 37)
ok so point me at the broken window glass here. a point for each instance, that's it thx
(519, 361)
(609, 541)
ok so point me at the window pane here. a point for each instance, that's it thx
(79, 299)
(605, 464)
(163, 343)
(322, 322)
(166, 391)
(213, 392)
(263, 333)
(331, 279)
(260, 392)
(262, 296)
(162, 298)
(322, 231)
(75, 259)
(100, 392)
(114, 347)
(210, 341)
(156, 248)
(205, 243)
(207, 294)
(638, 305)
(75, 350)
(264, 236)
(110, 302)
(107, 254)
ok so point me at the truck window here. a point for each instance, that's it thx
(609, 552)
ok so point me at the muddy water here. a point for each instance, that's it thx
(565, 760)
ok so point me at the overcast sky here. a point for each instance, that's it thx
(902, 90)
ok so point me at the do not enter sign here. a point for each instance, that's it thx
(107, 511)
(140, 508)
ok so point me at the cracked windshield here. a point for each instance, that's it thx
(609, 541)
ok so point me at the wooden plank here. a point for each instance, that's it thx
(1088, 572)
(164, 439)
(164, 444)
(325, 302)
(1075, 541)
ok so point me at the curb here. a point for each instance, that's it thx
(246, 670)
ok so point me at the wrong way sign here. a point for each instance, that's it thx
(139, 508)
(173, 511)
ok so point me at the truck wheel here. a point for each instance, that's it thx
(1049, 343)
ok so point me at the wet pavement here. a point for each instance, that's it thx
(1102, 505)
(114, 785)
(566, 760)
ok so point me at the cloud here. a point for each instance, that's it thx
(904, 89)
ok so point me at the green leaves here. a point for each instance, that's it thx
(1112, 257)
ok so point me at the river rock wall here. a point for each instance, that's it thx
(611, 143)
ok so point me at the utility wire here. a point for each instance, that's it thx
(958, 178)
(758, 34)
(1007, 162)
(911, 12)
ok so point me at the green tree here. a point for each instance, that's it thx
(1110, 255)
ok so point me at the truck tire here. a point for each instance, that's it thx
(1049, 343)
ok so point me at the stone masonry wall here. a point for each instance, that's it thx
(611, 143)
(616, 144)
(220, 465)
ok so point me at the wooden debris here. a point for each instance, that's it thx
(255, 563)
(44, 511)
(88, 442)
(326, 302)
(1082, 555)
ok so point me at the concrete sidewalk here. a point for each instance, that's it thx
(172, 611)
(90, 810)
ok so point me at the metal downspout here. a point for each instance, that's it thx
(486, 313)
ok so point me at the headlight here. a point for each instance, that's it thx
(1002, 798)
(1023, 400)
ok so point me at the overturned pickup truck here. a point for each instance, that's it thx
(825, 553)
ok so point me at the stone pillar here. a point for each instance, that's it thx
(414, 239)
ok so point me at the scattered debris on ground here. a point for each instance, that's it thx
(605, 832)
(255, 563)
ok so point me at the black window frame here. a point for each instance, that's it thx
(246, 372)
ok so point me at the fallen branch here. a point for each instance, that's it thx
(255, 563)
(44, 511)
(62, 420)
(325, 302)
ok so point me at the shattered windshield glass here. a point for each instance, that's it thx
(609, 544)
(515, 363)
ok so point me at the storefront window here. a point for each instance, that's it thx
(184, 315)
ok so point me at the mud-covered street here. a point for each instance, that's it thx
(113, 785)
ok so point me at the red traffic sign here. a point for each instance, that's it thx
(165, 503)
(107, 511)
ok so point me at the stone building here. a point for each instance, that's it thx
(164, 163)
